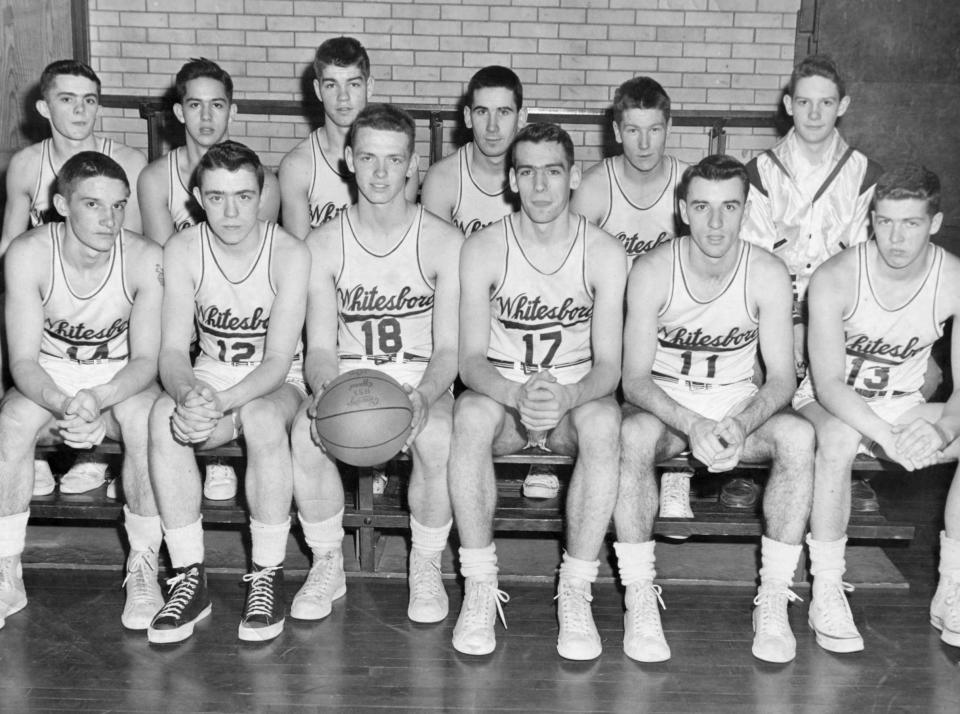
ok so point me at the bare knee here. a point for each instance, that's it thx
(597, 424)
(639, 434)
(836, 442)
(263, 423)
(793, 437)
(475, 417)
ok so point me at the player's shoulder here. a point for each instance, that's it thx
(434, 227)
(30, 241)
(950, 269)
(765, 266)
(658, 261)
(837, 270)
(324, 235)
(299, 156)
(594, 178)
(287, 242)
(597, 239)
(446, 165)
(443, 177)
(139, 246)
(128, 155)
(154, 174)
(22, 164)
(182, 240)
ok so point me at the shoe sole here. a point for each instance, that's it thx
(215, 496)
(45, 491)
(540, 494)
(949, 636)
(840, 645)
(137, 625)
(177, 634)
(476, 652)
(312, 618)
(259, 634)
(637, 657)
(579, 656)
(15, 609)
(73, 490)
(726, 503)
(428, 621)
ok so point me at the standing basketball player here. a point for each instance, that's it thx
(82, 311)
(383, 295)
(315, 182)
(697, 310)
(70, 102)
(541, 319)
(244, 282)
(875, 311)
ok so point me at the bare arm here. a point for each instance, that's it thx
(320, 363)
(152, 197)
(412, 187)
(440, 189)
(176, 315)
(295, 173)
(16, 211)
(269, 197)
(133, 163)
(592, 198)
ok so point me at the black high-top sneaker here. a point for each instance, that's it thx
(187, 604)
(263, 614)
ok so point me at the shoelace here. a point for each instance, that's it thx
(260, 599)
(574, 608)
(773, 617)
(644, 614)
(477, 609)
(140, 572)
(422, 580)
(183, 585)
(318, 579)
(838, 603)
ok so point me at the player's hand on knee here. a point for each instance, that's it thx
(889, 446)
(421, 414)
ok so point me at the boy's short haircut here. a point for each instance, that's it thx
(232, 156)
(716, 167)
(909, 181)
(817, 66)
(540, 133)
(640, 93)
(384, 117)
(495, 76)
(341, 52)
(70, 67)
(88, 164)
(202, 67)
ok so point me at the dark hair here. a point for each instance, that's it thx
(232, 156)
(640, 93)
(539, 133)
(716, 167)
(817, 66)
(384, 117)
(341, 52)
(909, 181)
(70, 67)
(495, 76)
(87, 164)
(202, 67)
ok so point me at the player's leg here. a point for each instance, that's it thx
(21, 421)
(431, 514)
(787, 441)
(318, 492)
(128, 422)
(644, 440)
(269, 487)
(481, 427)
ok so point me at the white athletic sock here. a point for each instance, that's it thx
(479, 562)
(429, 539)
(13, 533)
(323, 535)
(578, 568)
(185, 544)
(636, 562)
(949, 556)
(827, 564)
(143, 532)
(269, 542)
(778, 561)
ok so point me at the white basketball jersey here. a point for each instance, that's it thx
(712, 342)
(330, 191)
(642, 228)
(41, 201)
(887, 348)
(542, 320)
(385, 301)
(232, 316)
(182, 205)
(91, 327)
(476, 208)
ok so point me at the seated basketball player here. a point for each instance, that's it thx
(315, 183)
(82, 313)
(383, 295)
(244, 282)
(69, 101)
(875, 311)
(205, 108)
(698, 309)
(541, 316)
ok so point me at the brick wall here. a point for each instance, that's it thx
(708, 54)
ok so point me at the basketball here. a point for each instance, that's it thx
(363, 417)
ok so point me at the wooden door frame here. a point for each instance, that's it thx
(80, 20)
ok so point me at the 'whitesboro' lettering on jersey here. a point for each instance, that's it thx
(81, 334)
(635, 245)
(523, 313)
(366, 303)
(470, 227)
(876, 348)
(225, 323)
(682, 338)
(321, 214)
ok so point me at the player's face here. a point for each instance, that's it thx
(903, 228)
(205, 111)
(543, 179)
(714, 211)
(344, 92)
(381, 161)
(815, 107)
(94, 211)
(71, 106)
(231, 200)
(643, 133)
(494, 120)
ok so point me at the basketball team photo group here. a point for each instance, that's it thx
(617, 330)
